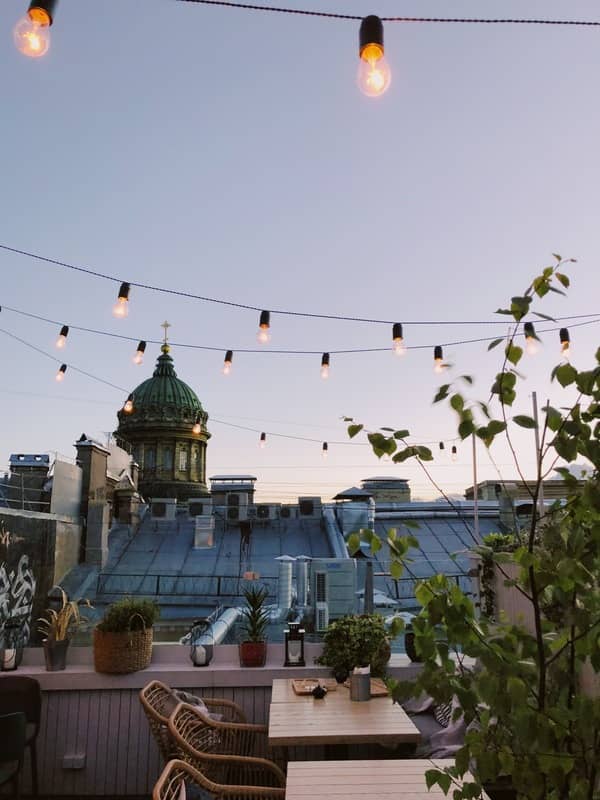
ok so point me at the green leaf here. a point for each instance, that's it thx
(388, 430)
(403, 434)
(566, 374)
(466, 428)
(544, 316)
(424, 453)
(403, 455)
(557, 257)
(514, 353)
(442, 393)
(467, 379)
(562, 278)
(433, 776)
(396, 570)
(505, 311)
(353, 543)
(413, 525)
(496, 342)
(457, 402)
(519, 306)
(496, 426)
(524, 421)
(354, 429)
(553, 418)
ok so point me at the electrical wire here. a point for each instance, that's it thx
(589, 319)
(244, 306)
(356, 17)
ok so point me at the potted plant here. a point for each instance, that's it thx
(355, 641)
(253, 648)
(123, 639)
(58, 626)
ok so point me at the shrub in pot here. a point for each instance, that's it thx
(123, 639)
(253, 647)
(58, 627)
(355, 641)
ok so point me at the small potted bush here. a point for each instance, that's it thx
(253, 647)
(58, 627)
(355, 641)
(123, 639)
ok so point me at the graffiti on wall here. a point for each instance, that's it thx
(17, 585)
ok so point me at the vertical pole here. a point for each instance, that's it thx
(538, 454)
(475, 490)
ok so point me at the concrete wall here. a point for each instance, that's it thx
(66, 489)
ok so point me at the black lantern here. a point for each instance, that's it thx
(294, 646)
(12, 644)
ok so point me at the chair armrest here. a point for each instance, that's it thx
(220, 702)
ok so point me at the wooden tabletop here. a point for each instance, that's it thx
(336, 719)
(387, 779)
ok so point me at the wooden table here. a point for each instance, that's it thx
(398, 779)
(303, 720)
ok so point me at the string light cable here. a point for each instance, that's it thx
(242, 306)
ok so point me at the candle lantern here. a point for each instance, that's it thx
(294, 645)
(12, 644)
(202, 643)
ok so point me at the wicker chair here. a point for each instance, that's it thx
(179, 773)
(223, 752)
(159, 701)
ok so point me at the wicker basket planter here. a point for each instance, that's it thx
(119, 653)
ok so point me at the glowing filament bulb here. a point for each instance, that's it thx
(454, 453)
(325, 366)
(531, 340)
(197, 427)
(397, 339)
(374, 74)
(565, 343)
(62, 337)
(263, 336)
(128, 407)
(32, 33)
(262, 442)
(139, 353)
(121, 307)
(227, 362)
(438, 359)
(324, 449)
(60, 375)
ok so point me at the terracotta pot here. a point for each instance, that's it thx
(253, 654)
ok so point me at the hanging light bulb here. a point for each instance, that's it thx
(264, 325)
(197, 426)
(565, 342)
(60, 375)
(31, 34)
(374, 74)
(325, 366)
(139, 353)
(438, 358)
(324, 449)
(62, 337)
(227, 362)
(128, 406)
(454, 453)
(262, 442)
(442, 446)
(531, 340)
(398, 340)
(121, 307)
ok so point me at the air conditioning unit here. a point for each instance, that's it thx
(235, 514)
(267, 511)
(309, 507)
(251, 512)
(320, 587)
(333, 581)
(288, 512)
(321, 616)
(239, 499)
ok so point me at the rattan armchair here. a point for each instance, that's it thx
(223, 752)
(179, 773)
(159, 701)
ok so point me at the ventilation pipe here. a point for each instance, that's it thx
(284, 583)
(302, 580)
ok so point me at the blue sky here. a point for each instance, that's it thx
(230, 154)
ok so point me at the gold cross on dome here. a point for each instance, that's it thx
(166, 325)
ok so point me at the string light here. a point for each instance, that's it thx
(324, 449)
(374, 75)
(398, 346)
(32, 32)
(442, 447)
(263, 336)
(121, 307)
(128, 406)
(62, 337)
(325, 366)
(227, 362)
(197, 426)
(531, 340)
(262, 442)
(565, 342)
(139, 353)
(438, 358)
(454, 453)
(60, 375)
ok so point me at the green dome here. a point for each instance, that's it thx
(163, 398)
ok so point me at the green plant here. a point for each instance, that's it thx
(533, 713)
(355, 641)
(59, 625)
(497, 543)
(255, 616)
(129, 614)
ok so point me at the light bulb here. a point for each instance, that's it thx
(399, 347)
(325, 366)
(531, 345)
(227, 362)
(197, 427)
(324, 449)
(263, 336)
(32, 33)
(139, 353)
(262, 442)
(439, 365)
(374, 74)
(397, 339)
(128, 406)
(121, 307)
(438, 359)
(454, 453)
(565, 343)
(62, 337)
(60, 375)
